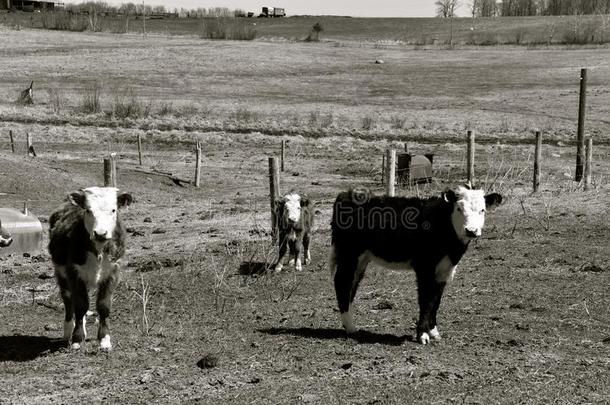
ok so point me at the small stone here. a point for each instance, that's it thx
(148, 219)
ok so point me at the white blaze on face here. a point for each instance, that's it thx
(100, 212)
(468, 215)
(292, 204)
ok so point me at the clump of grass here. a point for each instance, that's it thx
(227, 28)
(127, 105)
(167, 108)
(63, 21)
(91, 100)
(327, 120)
(398, 122)
(368, 123)
(243, 115)
(56, 99)
(314, 117)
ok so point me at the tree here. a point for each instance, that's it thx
(316, 29)
(446, 8)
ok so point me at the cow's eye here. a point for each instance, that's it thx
(483, 211)
(459, 209)
(113, 211)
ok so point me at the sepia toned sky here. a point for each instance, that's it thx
(355, 8)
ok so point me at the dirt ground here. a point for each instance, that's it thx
(526, 320)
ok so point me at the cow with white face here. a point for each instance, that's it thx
(429, 236)
(295, 219)
(87, 244)
(5, 237)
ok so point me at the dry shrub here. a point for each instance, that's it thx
(368, 123)
(56, 99)
(128, 105)
(227, 28)
(91, 100)
(64, 21)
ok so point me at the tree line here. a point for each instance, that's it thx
(139, 9)
(511, 8)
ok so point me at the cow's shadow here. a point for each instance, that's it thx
(27, 348)
(253, 268)
(360, 336)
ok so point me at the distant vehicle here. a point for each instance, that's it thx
(273, 12)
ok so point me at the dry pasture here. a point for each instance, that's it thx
(525, 321)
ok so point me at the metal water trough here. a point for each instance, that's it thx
(414, 169)
(25, 229)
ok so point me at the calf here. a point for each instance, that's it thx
(430, 236)
(295, 220)
(5, 237)
(87, 243)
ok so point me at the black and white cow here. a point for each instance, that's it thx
(295, 220)
(428, 235)
(87, 244)
(5, 237)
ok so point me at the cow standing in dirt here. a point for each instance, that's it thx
(295, 220)
(87, 244)
(428, 235)
(5, 237)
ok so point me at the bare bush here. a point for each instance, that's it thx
(398, 122)
(128, 105)
(63, 21)
(56, 99)
(368, 123)
(91, 100)
(227, 28)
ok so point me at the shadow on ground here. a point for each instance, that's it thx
(328, 333)
(253, 268)
(26, 348)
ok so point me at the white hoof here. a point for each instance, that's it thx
(434, 334)
(278, 267)
(291, 262)
(298, 266)
(105, 344)
(424, 339)
(348, 322)
(75, 346)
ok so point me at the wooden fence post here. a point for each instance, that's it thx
(140, 149)
(282, 157)
(588, 164)
(10, 134)
(383, 168)
(274, 193)
(580, 141)
(470, 158)
(537, 158)
(197, 164)
(390, 172)
(407, 147)
(110, 171)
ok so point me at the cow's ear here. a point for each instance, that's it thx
(305, 202)
(124, 199)
(77, 198)
(493, 200)
(449, 196)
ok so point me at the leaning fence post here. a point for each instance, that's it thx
(390, 172)
(588, 163)
(197, 164)
(274, 193)
(537, 158)
(140, 149)
(10, 134)
(470, 157)
(580, 141)
(110, 171)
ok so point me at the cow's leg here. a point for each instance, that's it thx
(66, 297)
(103, 304)
(345, 277)
(434, 333)
(306, 254)
(296, 251)
(80, 299)
(429, 292)
(282, 252)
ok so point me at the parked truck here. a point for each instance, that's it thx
(273, 12)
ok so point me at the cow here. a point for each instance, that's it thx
(295, 218)
(87, 245)
(429, 236)
(5, 237)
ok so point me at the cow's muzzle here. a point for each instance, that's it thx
(5, 242)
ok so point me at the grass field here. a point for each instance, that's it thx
(526, 320)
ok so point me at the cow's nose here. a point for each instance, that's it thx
(472, 233)
(100, 236)
(6, 242)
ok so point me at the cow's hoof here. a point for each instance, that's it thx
(434, 334)
(105, 344)
(298, 268)
(305, 261)
(75, 346)
(424, 338)
(291, 262)
(278, 268)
